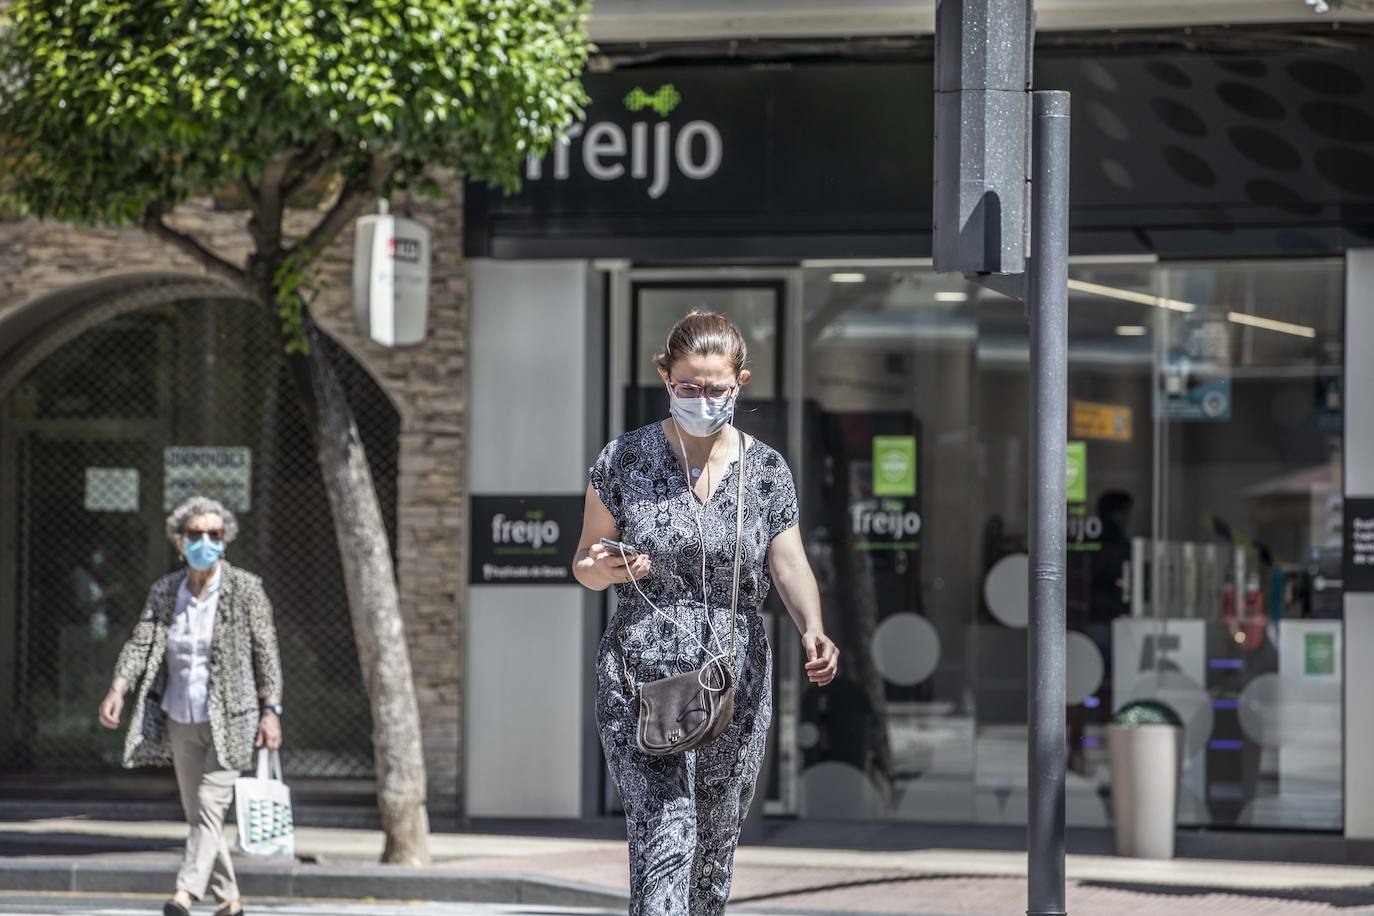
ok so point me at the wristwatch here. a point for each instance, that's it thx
(272, 708)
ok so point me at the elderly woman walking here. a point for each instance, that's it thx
(203, 662)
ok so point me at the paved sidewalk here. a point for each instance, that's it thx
(593, 872)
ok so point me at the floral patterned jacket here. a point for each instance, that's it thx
(244, 669)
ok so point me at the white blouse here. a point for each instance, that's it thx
(188, 654)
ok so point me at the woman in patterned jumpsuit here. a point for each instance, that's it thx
(683, 812)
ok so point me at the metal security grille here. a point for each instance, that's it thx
(85, 467)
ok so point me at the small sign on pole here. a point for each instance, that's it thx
(391, 258)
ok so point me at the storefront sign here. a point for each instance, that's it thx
(225, 474)
(1359, 544)
(894, 465)
(524, 540)
(1111, 422)
(656, 153)
(729, 151)
(826, 159)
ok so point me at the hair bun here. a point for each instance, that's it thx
(701, 333)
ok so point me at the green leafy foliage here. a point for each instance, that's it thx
(109, 105)
(1146, 712)
(295, 284)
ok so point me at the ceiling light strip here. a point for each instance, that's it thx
(1127, 295)
(1269, 324)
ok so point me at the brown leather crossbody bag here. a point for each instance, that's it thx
(686, 711)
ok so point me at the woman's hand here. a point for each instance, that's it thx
(822, 657)
(111, 708)
(610, 567)
(269, 731)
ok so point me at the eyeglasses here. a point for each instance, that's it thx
(195, 534)
(688, 390)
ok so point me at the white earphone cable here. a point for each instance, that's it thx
(713, 659)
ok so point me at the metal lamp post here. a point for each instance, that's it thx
(1001, 219)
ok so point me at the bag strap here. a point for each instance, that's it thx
(269, 765)
(734, 589)
(739, 537)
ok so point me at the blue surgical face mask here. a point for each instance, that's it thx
(203, 553)
(701, 417)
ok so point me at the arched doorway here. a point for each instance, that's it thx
(107, 422)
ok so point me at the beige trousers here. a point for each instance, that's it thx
(207, 789)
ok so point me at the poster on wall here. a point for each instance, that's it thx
(111, 490)
(883, 509)
(1197, 371)
(1359, 544)
(894, 465)
(1109, 422)
(1084, 527)
(225, 474)
(524, 540)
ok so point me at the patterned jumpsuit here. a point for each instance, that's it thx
(683, 812)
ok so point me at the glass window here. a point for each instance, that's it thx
(1204, 529)
(890, 503)
(1248, 533)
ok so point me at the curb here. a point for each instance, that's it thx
(315, 881)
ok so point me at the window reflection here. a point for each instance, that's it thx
(1204, 532)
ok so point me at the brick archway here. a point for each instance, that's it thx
(421, 385)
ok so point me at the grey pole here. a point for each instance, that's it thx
(1049, 366)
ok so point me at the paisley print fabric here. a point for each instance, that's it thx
(683, 812)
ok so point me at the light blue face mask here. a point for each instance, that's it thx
(203, 553)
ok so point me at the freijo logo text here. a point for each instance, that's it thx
(896, 521)
(654, 151)
(532, 532)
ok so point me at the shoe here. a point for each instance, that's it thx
(172, 908)
(225, 911)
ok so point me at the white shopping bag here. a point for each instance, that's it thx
(263, 806)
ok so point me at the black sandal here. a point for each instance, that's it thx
(172, 908)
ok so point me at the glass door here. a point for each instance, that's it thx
(1246, 566)
(757, 306)
(890, 502)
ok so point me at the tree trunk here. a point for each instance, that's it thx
(374, 604)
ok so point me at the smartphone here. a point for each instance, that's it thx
(615, 546)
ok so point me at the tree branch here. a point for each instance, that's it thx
(152, 223)
(312, 165)
(271, 199)
(352, 198)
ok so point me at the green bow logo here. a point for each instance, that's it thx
(663, 101)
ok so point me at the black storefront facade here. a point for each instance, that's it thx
(1220, 207)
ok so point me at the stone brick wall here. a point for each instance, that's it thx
(426, 384)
